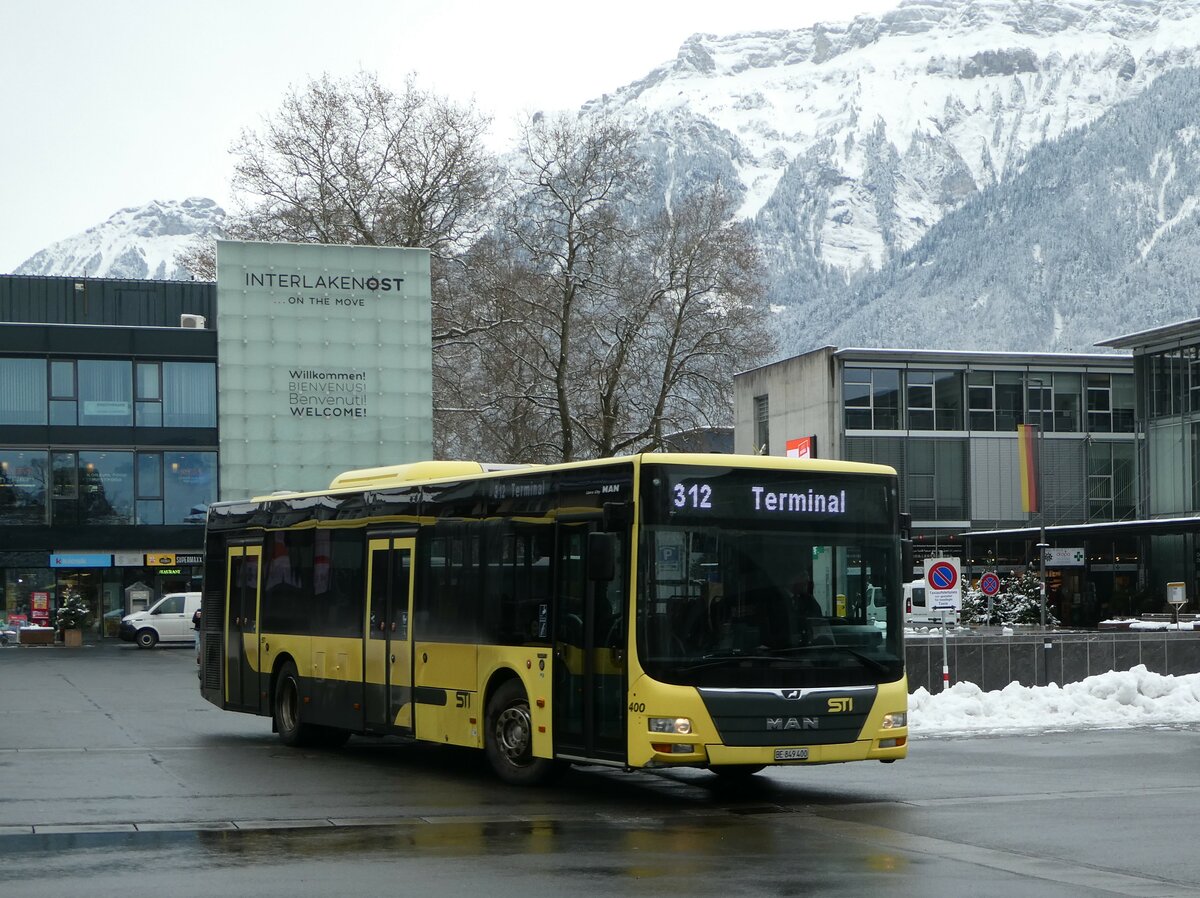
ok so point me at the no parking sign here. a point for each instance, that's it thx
(989, 584)
(943, 586)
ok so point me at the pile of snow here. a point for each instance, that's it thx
(1113, 700)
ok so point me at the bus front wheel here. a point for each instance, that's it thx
(508, 738)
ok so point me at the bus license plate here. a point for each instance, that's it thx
(791, 754)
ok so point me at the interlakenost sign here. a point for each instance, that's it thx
(325, 359)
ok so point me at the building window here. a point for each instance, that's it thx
(148, 392)
(63, 392)
(871, 397)
(1110, 403)
(762, 426)
(149, 488)
(189, 486)
(1067, 392)
(22, 487)
(1010, 409)
(105, 393)
(189, 394)
(106, 488)
(1110, 481)
(935, 400)
(23, 395)
(936, 479)
(981, 400)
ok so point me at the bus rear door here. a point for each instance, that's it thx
(388, 650)
(243, 690)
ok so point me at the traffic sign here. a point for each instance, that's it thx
(943, 587)
(989, 584)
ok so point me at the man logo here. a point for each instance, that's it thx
(792, 694)
(840, 705)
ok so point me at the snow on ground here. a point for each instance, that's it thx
(1113, 700)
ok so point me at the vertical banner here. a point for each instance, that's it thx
(1027, 447)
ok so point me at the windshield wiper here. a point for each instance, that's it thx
(717, 659)
(873, 663)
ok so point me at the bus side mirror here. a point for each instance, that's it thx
(602, 556)
(906, 559)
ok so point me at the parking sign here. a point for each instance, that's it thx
(943, 585)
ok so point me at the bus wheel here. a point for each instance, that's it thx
(736, 771)
(286, 709)
(508, 738)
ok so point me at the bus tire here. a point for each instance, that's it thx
(147, 638)
(508, 738)
(285, 709)
(736, 771)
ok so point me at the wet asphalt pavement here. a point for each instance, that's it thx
(117, 779)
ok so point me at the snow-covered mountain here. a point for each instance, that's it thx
(849, 142)
(138, 242)
(1097, 236)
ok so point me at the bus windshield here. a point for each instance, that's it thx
(733, 595)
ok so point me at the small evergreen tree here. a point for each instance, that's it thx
(1018, 602)
(73, 613)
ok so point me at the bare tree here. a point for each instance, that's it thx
(614, 328)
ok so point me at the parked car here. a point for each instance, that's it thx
(917, 610)
(167, 620)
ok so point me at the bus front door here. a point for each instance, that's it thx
(388, 650)
(589, 655)
(242, 686)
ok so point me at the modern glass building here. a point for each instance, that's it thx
(108, 442)
(946, 421)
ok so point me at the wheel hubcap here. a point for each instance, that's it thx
(513, 734)
(287, 705)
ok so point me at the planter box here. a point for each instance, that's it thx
(37, 636)
(73, 638)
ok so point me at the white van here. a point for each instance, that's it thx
(167, 620)
(917, 610)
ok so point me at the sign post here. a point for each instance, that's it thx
(989, 585)
(1177, 598)
(943, 589)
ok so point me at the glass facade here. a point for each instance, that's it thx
(99, 487)
(108, 393)
(987, 400)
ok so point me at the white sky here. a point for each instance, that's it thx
(114, 104)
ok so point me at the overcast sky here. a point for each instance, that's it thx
(117, 103)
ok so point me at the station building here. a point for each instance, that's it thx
(127, 407)
(108, 442)
(947, 422)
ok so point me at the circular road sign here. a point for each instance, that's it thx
(989, 584)
(943, 576)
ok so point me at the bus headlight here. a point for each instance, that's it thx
(895, 719)
(679, 725)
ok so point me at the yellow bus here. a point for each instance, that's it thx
(661, 610)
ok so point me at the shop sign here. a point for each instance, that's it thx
(128, 559)
(160, 559)
(169, 571)
(1073, 557)
(39, 608)
(188, 559)
(87, 560)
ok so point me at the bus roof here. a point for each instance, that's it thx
(428, 472)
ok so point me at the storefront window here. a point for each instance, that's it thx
(23, 397)
(105, 393)
(23, 589)
(22, 487)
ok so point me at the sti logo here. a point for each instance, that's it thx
(841, 705)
